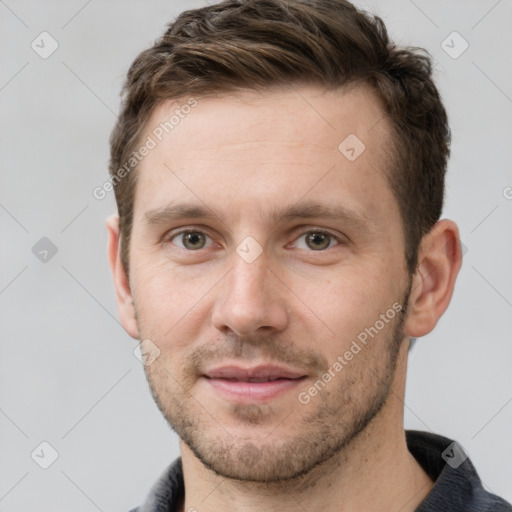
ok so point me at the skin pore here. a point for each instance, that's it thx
(264, 274)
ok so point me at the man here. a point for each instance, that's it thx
(279, 174)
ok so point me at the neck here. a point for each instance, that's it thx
(375, 473)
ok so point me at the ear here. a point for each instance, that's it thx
(439, 262)
(121, 282)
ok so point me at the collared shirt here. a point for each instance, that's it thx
(457, 486)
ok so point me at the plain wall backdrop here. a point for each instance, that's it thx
(68, 374)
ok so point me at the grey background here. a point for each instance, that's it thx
(68, 375)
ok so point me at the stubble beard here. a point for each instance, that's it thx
(338, 415)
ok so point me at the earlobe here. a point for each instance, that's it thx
(439, 262)
(125, 303)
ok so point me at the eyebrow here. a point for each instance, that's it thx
(306, 210)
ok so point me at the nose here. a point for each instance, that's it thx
(250, 299)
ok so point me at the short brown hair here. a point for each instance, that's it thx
(257, 44)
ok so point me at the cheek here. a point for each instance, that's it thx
(170, 303)
(347, 303)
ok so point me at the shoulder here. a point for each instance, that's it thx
(457, 485)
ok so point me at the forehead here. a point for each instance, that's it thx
(309, 114)
(252, 150)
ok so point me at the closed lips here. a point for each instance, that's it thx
(256, 374)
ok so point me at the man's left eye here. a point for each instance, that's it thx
(317, 240)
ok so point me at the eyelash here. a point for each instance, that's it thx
(170, 236)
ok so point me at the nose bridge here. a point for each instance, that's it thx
(251, 274)
(248, 282)
(249, 296)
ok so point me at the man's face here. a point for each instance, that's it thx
(247, 286)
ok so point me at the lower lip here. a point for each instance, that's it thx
(253, 391)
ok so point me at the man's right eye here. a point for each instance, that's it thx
(191, 240)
